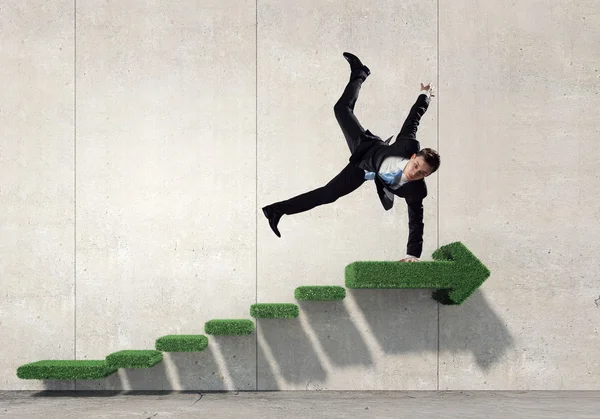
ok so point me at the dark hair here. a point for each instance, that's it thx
(431, 157)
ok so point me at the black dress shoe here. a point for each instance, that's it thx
(355, 63)
(273, 217)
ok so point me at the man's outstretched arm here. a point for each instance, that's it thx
(409, 128)
(414, 248)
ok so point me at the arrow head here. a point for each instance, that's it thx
(469, 273)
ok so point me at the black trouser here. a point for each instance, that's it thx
(351, 177)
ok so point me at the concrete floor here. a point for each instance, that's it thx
(303, 404)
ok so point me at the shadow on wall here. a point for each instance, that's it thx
(396, 319)
(342, 343)
(266, 378)
(401, 320)
(228, 363)
(476, 326)
(288, 349)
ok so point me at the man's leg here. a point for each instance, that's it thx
(351, 177)
(348, 180)
(344, 109)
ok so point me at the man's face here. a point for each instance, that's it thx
(417, 168)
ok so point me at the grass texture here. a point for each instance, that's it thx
(274, 311)
(66, 370)
(231, 327)
(320, 293)
(181, 343)
(134, 359)
(455, 272)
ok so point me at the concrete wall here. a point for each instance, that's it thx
(140, 139)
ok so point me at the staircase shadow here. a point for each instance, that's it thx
(339, 337)
(111, 385)
(266, 379)
(292, 352)
(137, 379)
(477, 327)
(142, 379)
(201, 370)
(401, 321)
(190, 371)
(51, 386)
(406, 320)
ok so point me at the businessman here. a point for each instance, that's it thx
(396, 169)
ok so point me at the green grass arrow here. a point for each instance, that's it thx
(455, 272)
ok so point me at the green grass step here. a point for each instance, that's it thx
(320, 293)
(181, 343)
(387, 274)
(66, 370)
(229, 327)
(274, 311)
(134, 359)
(455, 273)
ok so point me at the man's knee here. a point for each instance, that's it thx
(341, 108)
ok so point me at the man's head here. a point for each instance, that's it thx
(422, 164)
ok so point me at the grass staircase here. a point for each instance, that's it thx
(455, 272)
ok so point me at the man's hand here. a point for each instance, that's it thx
(428, 88)
(409, 259)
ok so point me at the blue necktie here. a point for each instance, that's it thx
(387, 177)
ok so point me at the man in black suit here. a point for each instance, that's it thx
(397, 169)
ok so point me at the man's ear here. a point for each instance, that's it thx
(413, 156)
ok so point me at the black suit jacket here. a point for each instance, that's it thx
(371, 152)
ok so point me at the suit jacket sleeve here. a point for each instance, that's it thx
(415, 226)
(409, 128)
